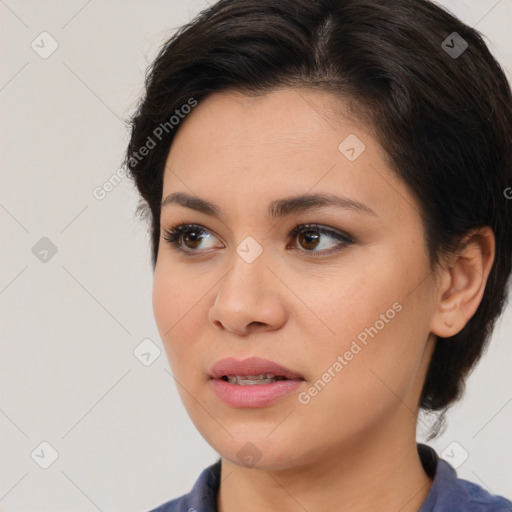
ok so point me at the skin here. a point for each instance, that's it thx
(353, 446)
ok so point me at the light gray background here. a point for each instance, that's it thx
(69, 326)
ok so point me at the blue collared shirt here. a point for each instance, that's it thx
(447, 494)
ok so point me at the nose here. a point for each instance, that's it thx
(249, 298)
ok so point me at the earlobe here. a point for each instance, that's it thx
(462, 283)
(447, 320)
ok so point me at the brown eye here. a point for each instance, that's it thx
(193, 238)
(308, 239)
(187, 237)
(311, 238)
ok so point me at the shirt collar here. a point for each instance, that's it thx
(442, 474)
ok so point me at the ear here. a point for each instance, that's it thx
(462, 281)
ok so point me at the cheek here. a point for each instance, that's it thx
(170, 303)
(373, 335)
(174, 296)
(164, 303)
(370, 367)
(179, 307)
(349, 305)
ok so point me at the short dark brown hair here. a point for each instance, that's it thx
(439, 103)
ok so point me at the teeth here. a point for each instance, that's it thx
(249, 380)
(253, 377)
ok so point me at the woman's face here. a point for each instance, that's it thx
(346, 306)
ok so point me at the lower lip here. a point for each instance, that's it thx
(253, 395)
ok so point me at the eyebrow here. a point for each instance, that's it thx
(276, 209)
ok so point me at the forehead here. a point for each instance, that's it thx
(237, 150)
(294, 118)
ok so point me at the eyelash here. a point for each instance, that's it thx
(173, 235)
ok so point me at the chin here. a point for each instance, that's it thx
(257, 452)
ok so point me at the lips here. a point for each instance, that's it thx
(253, 382)
(251, 367)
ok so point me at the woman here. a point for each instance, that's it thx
(326, 183)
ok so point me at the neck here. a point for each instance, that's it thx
(381, 472)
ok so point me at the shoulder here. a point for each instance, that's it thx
(175, 505)
(449, 493)
(477, 499)
(203, 495)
